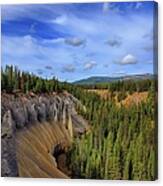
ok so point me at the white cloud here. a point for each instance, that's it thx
(34, 12)
(75, 41)
(48, 67)
(53, 41)
(75, 25)
(32, 28)
(128, 59)
(24, 46)
(138, 5)
(114, 42)
(89, 65)
(105, 7)
(68, 68)
(61, 20)
(29, 53)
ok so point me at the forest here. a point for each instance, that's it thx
(121, 143)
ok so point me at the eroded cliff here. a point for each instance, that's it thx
(35, 130)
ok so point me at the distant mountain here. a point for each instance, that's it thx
(105, 79)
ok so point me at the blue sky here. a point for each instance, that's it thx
(75, 41)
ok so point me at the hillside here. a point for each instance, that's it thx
(130, 99)
(105, 79)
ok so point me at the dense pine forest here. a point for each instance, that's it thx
(121, 142)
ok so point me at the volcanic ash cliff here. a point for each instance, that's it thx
(35, 129)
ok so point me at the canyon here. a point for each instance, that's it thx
(37, 132)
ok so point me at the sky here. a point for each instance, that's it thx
(76, 41)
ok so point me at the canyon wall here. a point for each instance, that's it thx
(42, 123)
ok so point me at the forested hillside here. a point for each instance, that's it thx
(121, 142)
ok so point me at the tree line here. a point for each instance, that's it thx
(122, 85)
(14, 80)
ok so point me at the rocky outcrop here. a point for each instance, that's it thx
(21, 112)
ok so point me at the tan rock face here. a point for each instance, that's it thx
(34, 150)
(31, 128)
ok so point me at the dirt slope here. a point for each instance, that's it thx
(35, 147)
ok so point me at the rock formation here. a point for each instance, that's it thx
(33, 126)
